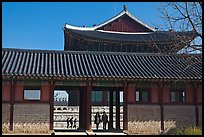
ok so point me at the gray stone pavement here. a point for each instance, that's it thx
(91, 132)
(109, 133)
(72, 132)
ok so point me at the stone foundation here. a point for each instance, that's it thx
(144, 119)
(200, 115)
(5, 112)
(5, 117)
(144, 127)
(31, 127)
(177, 116)
(5, 128)
(31, 118)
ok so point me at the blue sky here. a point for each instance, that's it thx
(38, 25)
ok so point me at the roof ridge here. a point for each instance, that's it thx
(88, 52)
(139, 21)
(111, 19)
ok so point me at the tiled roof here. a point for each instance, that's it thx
(48, 63)
(157, 36)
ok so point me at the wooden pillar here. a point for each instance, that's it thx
(12, 100)
(82, 108)
(88, 107)
(51, 104)
(195, 103)
(117, 109)
(161, 105)
(110, 126)
(125, 109)
(78, 99)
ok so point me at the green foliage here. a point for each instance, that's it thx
(189, 131)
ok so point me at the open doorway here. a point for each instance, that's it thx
(65, 108)
(100, 100)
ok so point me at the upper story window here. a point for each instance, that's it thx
(177, 95)
(142, 95)
(32, 94)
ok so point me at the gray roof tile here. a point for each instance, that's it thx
(21, 62)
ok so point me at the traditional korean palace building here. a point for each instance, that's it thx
(160, 90)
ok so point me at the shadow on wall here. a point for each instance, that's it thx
(178, 117)
(169, 132)
(146, 119)
(144, 127)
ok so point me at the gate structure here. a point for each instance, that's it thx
(160, 90)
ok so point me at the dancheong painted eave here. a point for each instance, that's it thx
(157, 36)
(85, 64)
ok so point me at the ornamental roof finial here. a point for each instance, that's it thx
(125, 8)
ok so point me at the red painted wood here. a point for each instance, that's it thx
(6, 92)
(195, 103)
(160, 99)
(131, 94)
(154, 94)
(12, 93)
(125, 109)
(189, 95)
(88, 107)
(117, 109)
(110, 126)
(45, 91)
(125, 24)
(199, 95)
(81, 109)
(166, 94)
(33, 102)
(51, 104)
(19, 94)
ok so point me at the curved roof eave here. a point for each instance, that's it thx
(122, 36)
(79, 28)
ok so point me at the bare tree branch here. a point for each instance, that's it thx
(183, 17)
